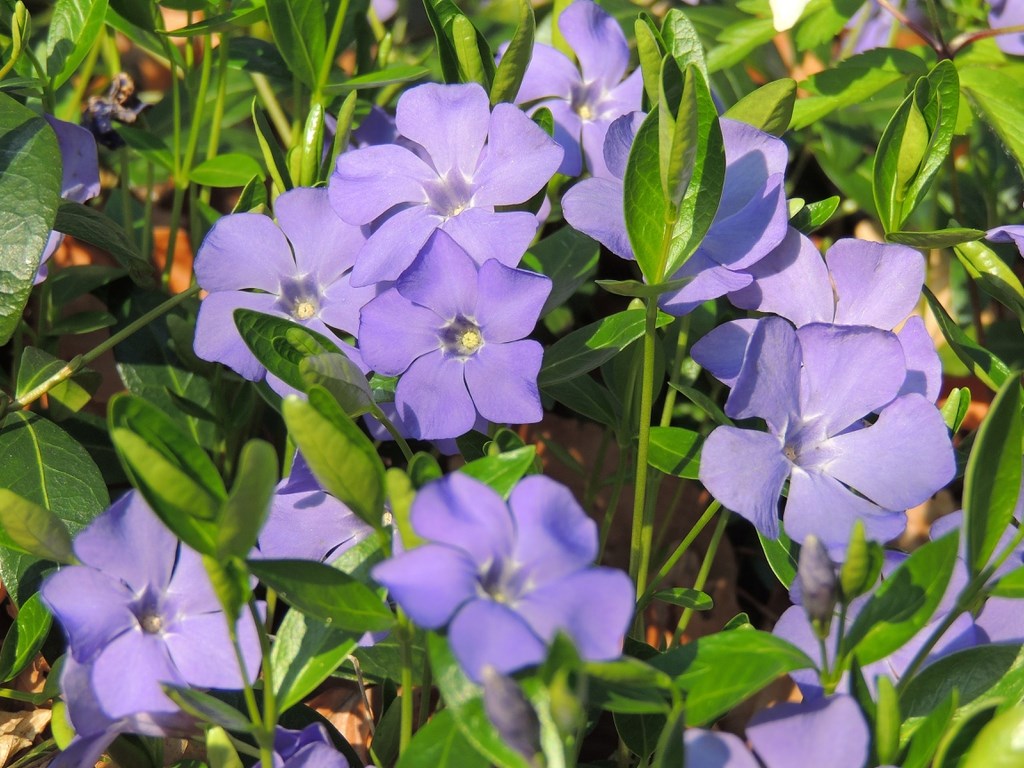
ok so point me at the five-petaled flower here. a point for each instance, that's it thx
(506, 577)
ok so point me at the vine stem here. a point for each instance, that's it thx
(406, 702)
(79, 361)
(679, 551)
(705, 570)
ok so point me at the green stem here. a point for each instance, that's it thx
(332, 50)
(49, 102)
(393, 431)
(273, 107)
(82, 85)
(266, 746)
(147, 227)
(126, 197)
(405, 639)
(217, 118)
(79, 361)
(705, 569)
(613, 503)
(679, 551)
(642, 528)
(682, 345)
(269, 699)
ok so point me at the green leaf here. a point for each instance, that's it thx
(814, 215)
(45, 466)
(904, 602)
(639, 290)
(938, 98)
(33, 530)
(675, 451)
(304, 654)
(208, 708)
(900, 153)
(29, 195)
(982, 363)
(854, 81)
(999, 744)
(645, 204)
(463, 699)
(993, 476)
(993, 275)
(394, 75)
(628, 686)
(341, 457)
(281, 344)
(336, 373)
(981, 676)
(440, 744)
(91, 226)
(74, 26)
(988, 89)
(942, 238)
(887, 721)
(272, 154)
(684, 597)
(639, 733)
(65, 399)
(150, 147)
(248, 503)
(717, 672)
(929, 733)
(593, 345)
(442, 15)
(220, 752)
(300, 33)
(586, 397)
(769, 108)
(25, 637)
(139, 14)
(325, 593)
(232, 169)
(651, 50)
(1009, 585)
(503, 471)
(243, 13)
(569, 258)
(954, 410)
(253, 197)
(669, 751)
(467, 51)
(781, 556)
(682, 41)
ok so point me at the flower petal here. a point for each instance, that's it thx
(429, 582)
(519, 160)
(123, 695)
(509, 301)
(394, 245)
(830, 731)
(433, 399)
(554, 536)
(723, 350)
(80, 170)
(619, 140)
(769, 380)
(1010, 234)
(710, 280)
(924, 368)
(486, 234)
(752, 157)
(549, 75)
(597, 40)
(324, 245)
(368, 182)
(341, 302)
(502, 379)
(752, 232)
(94, 608)
(443, 278)
(877, 284)
(244, 250)
(393, 332)
(488, 633)
(449, 121)
(217, 337)
(715, 749)
(595, 208)
(901, 459)
(745, 471)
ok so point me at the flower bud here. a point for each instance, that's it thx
(817, 575)
(510, 713)
(862, 565)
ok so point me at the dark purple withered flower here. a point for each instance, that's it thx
(506, 577)
(473, 162)
(455, 333)
(858, 283)
(141, 601)
(585, 101)
(309, 748)
(298, 268)
(815, 388)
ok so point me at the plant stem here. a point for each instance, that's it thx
(332, 50)
(705, 569)
(273, 107)
(378, 414)
(405, 639)
(79, 361)
(679, 551)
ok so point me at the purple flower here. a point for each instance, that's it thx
(715, 749)
(309, 748)
(858, 283)
(506, 577)
(815, 387)
(583, 102)
(473, 161)
(1007, 13)
(298, 269)
(141, 601)
(874, 27)
(307, 523)
(454, 332)
(1009, 234)
(80, 175)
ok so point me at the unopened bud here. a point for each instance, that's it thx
(817, 575)
(510, 713)
(862, 565)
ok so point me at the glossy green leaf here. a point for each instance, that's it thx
(467, 52)
(640, 290)
(304, 654)
(942, 238)
(232, 169)
(981, 362)
(628, 686)
(140, 14)
(999, 745)
(241, 14)
(645, 204)
(1009, 585)
(639, 733)
(89, 225)
(273, 156)
(650, 50)
(29, 195)
(325, 593)
(769, 108)
(982, 675)
(678, 132)
(208, 708)
(253, 197)
(25, 637)
(900, 153)
(929, 733)
(781, 554)
(74, 26)
(987, 88)
(394, 75)
(463, 699)
(993, 275)
(682, 42)
(442, 15)
(904, 603)
(440, 744)
(281, 344)
(220, 752)
(675, 451)
(300, 32)
(64, 399)
(705, 403)
(341, 377)
(33, 530)
(593, 345)
(717, 672)
(938, 98)
(586, 397)
(684, 597)
(814, 215)
(44, 465)
(503, 471)
(248, 502)
(993, 476)
(568, 257)
(339, 454)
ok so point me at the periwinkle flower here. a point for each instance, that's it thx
(818, 388)
(1007, 13)
(1013, 233)
(505, 578)
(298, 269)
(309, 748)
(583, 102)
(858, 283)
(306, 522)
(455, 332)
(141, 601)
(473, 161)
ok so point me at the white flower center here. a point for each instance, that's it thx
(304, 310)
(151, 623)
